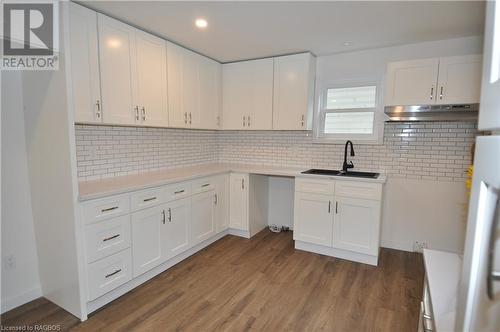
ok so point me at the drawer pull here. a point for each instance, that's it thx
(149, 199)
(169, 215)
(112, 274)
(110, 238)
(109, 209)
(179, 192)
(205, 185)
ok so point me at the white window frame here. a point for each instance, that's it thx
(376, 137)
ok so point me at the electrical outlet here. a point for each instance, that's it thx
(419, 246)
(10, 262)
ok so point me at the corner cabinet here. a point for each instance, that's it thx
(338, 218)
(247, 89)
(447, 80)
(293, 98)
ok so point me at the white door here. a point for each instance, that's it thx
(293, 91)
(479, 290)
(210, 93)
(238, 201)
(177, 117)
(175, 234)
(313, 218)
(247, 101)
(202, 216)
(85, 65)
(147, 239)
(117, 64)
(355, 225)
(412, 82)
(459, 79)
(190, 87)
(222, 203)
(489, 114)
(152, 79)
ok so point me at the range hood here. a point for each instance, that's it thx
(462, 112)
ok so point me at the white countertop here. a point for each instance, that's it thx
(122, 184)
(443, 270)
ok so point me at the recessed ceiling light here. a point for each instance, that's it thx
(201, 23)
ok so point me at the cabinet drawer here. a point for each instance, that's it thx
(202, 185)
(146, 198)
(109, 273)
(325, 187)
(358, 190)
(106, 238)
(177, 191)
(106, 208)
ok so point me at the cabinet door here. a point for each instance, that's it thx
(293, 92)
(175, 234)
(356, 225)
(222, 203)
(313, 218)
(176, 115)
(459, 79)
(247, 89)
(190, 87)
(147, 239)
(85, 65)
(152, 79)
(238, 200)
(210, 93)
(489, 115)
(412, 82)
(117, 63)
(202, 216)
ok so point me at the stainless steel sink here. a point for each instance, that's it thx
(331, 172)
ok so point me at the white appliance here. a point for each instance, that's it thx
(478, 303)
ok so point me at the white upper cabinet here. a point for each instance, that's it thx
(447, 80)
(151, 79)
(459, 79)
(210, 93)
(176, 115)
(293, 92)
(489, 114)
(85, 65)
(247, 95)
(411, 82)
(117, 63)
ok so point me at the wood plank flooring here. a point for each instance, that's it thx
(262, 284)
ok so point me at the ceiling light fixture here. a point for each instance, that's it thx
(201, 23)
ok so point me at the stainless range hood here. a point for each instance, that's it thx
(462, 112)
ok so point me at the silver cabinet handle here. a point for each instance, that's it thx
(143, 113)
(185, 118)
(216, 199)
(493, 275)
(432, 92)
(302, 120)
(163, 217)
(441, 93)
(248, 123)
(190, 118)
(169, 215)
(336, 207)
(112, 274)
(149, 199)
(205, 185)
(178, 192)
(109, 209)
(329, 206)
(218, 120)
(136, 113)
(110, 238)
(244, 121)
(243, 183)
(98, 108)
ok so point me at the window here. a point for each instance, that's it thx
(349, 111)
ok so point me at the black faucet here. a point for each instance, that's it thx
(347, 165)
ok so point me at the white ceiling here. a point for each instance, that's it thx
(246, 30)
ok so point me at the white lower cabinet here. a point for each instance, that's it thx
(313, 218)
(338, 218)
(203, 216)
(176, 231)
(238, 200)
(356, 225)
(222, 203)
(147, 239)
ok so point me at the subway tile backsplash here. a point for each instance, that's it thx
(419, 150)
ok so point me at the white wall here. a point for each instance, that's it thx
(281, 190)
(21, 283)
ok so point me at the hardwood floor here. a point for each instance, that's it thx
(262, 284)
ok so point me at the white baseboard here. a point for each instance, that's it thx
(334, 252)
(239, 232)
(396, 245)
(23, 298)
